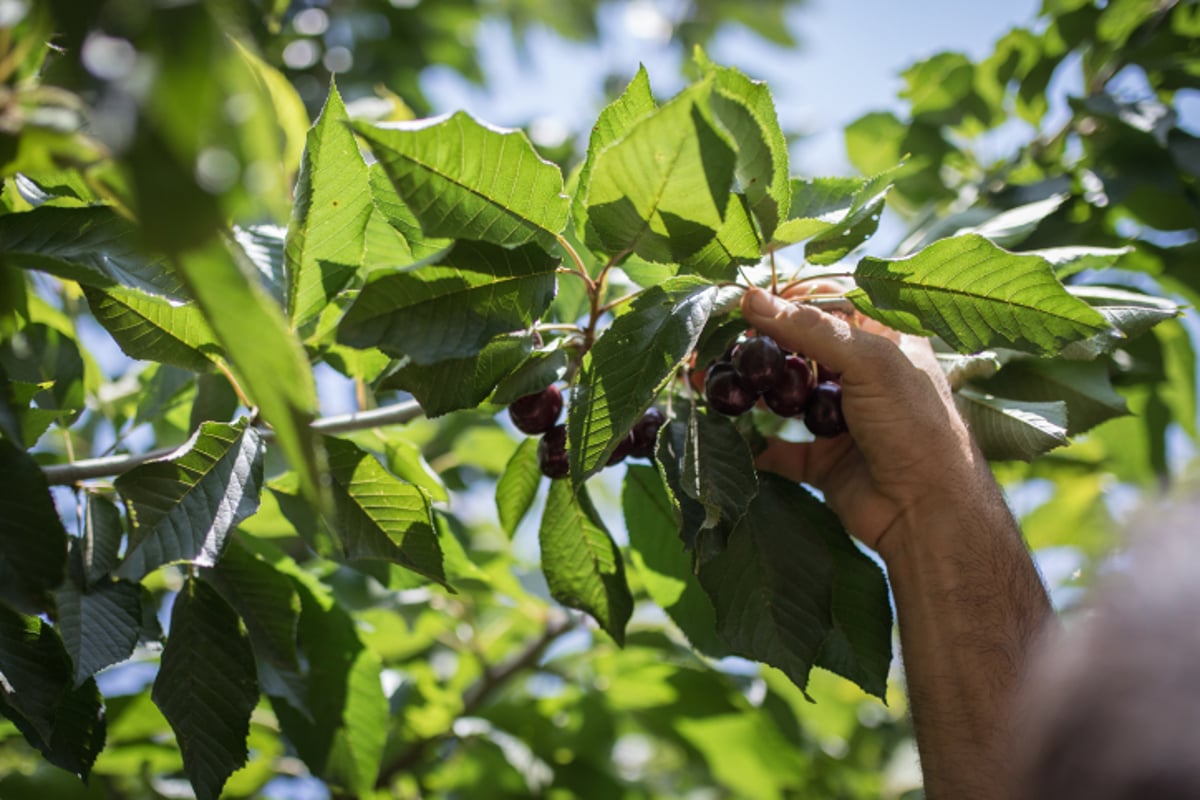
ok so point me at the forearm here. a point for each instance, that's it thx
(970, 604)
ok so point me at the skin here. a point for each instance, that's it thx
(909, 482)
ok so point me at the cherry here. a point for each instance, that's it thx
(726, 392)
(824, 413)
(759, 362)
(624, 449)
(645, 433)
(789, 395)
(536, 413)
(552, 453)
(826, 375)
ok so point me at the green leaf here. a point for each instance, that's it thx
(1085, 387)
(772, 586)
(451, 310)
(33, 542)
(287, 106)
(629, 364)
(518, 486)
(747, 112)
(342, 740)
(1129, 313)
(48, 356)
(461, 382)
(1010, 228)
(94, 246)
(671, 459)
(736, 243)
(100, 545)
(263, 246)
(660, 191)
(269, 604)
(718, 469)
(665, 566)
(379, 516)
(99, 626)
(405, 461)
(614, 122)
(581, 562)
(859, 223)
(66, 724)
(543, 367)
(817, 205)
(206, 687)
(270, 362)
(184, 506)
(465, 180)
(325, 243)
(1013, 429)
(408, 243)
(155, 329)
(975, 295)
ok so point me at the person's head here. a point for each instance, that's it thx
(1113, 706)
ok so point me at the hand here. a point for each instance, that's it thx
(908, 449)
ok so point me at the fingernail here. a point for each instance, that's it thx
(762, 303)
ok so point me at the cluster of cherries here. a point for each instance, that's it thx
(537, 414)
(788, 384)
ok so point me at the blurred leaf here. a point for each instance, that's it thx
(974, 295)
(206, 687)
(183, 507)
(325, 243)
(99, 626)
(1011, 227)
(1012, 429)
(467, 180)
(663, 563)
(661, 190)
(152, 328)
(628, 365)
(44, 355)
(33, 542)
(518, 486)
(452, 309)
(582, 564)
(380, 516)
(1085, 387)
(288, 108)
(100, 544)
(1130, 314)
(460, 382)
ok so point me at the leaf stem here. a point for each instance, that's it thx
(223, 368)
(579, 269)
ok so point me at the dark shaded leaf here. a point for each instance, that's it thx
(33, 542)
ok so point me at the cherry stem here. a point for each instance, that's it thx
(774, 272)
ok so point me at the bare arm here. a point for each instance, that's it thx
(909, 482)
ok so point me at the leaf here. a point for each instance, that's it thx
(629, 364)
(1085, 387)
(581, 562)
(747, 112)
(702, 542)
(325, 243)
(66, 724)
(100, 545)
(817, 205)
(206, 687)
(660, 191)
(184, 506)
(518, 486)
(263, 246)
(94, 246)
(379, 516)
(543, 367)
(461, 382)
(405, 461)
(718, 469)
(614, 122)
(408, 243)
(152, 328)
(772, 586)
(736, 243)
(451, 310)
(270, 362)
(1013, 429)
(33, 542)
(1129, 313)
(465, 180)
(662, 561)
(1069, 261)
(286, 104)
(268, 603)
(975, 295)
(858, 225)
(99, 626)
(1010, 228)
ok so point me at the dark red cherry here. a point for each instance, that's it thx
(789, 396)
(552, 453)
(536, 413)
(824, 413)
(758, 361)
(726, 392)
(645, 433)
(623, 449)
(826, 375)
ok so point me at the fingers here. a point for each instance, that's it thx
(856, 354)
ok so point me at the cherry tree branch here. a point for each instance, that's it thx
(65, 474)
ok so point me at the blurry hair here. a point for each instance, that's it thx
(1112, 710)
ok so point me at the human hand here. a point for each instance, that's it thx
(908, 449)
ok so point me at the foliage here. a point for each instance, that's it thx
(331, 596)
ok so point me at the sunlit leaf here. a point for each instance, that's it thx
(155, 329)
(518, 485)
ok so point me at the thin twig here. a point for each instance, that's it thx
(65, 474)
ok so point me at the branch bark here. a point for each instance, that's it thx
(65, 474)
